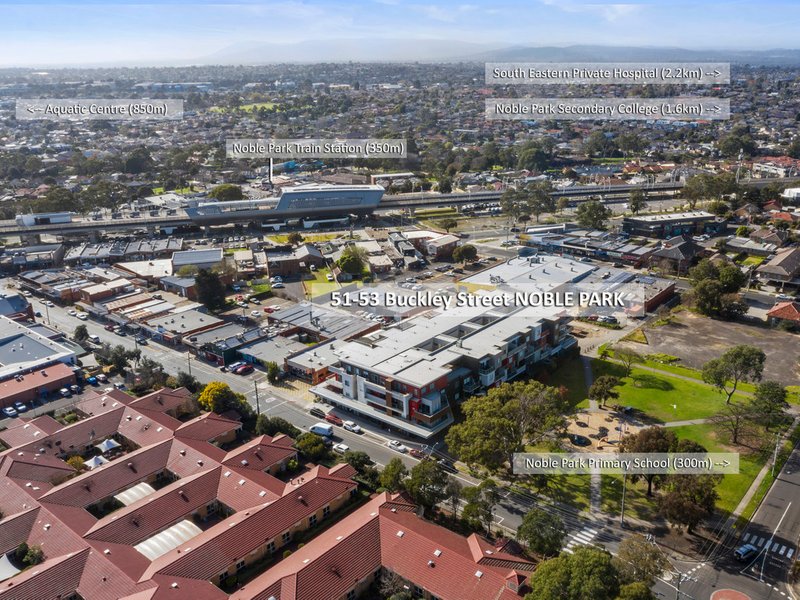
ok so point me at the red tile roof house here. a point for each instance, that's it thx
(386, 536)
(168, 519)
(785, 312)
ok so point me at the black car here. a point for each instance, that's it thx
(447, 465)
(317, 412)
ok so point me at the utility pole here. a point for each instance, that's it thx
(189, 362)
(775, 455)
(258, 404)
(622, 506)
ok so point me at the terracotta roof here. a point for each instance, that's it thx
(22, 430)
(163, 400)
(88, 431)
(261, 453)
(95, 402)
(240, 534)
(15, 529)
(27, 465)
(55, 578)
(207, 427)
(35, 380)
(788, 311)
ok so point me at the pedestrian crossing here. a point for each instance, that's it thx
(776, 548)
(583, 537)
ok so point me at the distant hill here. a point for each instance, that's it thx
(634, 54)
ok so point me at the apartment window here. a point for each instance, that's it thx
(353, 492)
(271, 547)
(417, 591)
(326, 512)
(312, 520)
(351, 595)
(287, 535)
(240, 565)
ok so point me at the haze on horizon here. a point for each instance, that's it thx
(178, 32)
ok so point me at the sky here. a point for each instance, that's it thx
(176, 31)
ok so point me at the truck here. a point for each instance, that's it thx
(33, 219)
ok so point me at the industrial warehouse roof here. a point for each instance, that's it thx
(327, 322)
(185, 322)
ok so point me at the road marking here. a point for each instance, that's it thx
(759, 542)
(582, 538)
(746, 537)
(774, 546)
(782, 550)
(790, 553)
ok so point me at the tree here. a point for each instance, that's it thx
(393, 475)
(119, 358)
(453, 493)
(740, 363)
(542, 532)
(445, 185)
(689, 498)
(187, 381)
(226, 192)
(639, 560)
(139, 161)
(769, 403)
(353, 260)
(731, 278)
(600, 143)
(480, 503)
(427, 483)
(210, 290)
(651, 439)
(218, 397)
(742, 231)
(562, 204)
(76, 462)
(501, 423)
(295, 238)
(465, 253)
(20, 552)
(448, 224)
(358, 459)
(81, 334)
(273, 372)
(538, 198)
(266, 425)
(34, 556)
(708, 297)
(735, 418)
(602, 389)
(586, 574)
(628, 358)
(592, 214)
(311, 445)
(151, 373)
(637, 201)
(635, 591)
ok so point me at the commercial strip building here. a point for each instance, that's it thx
(673, 224)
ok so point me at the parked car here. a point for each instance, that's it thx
(416, 453)
(83, 316)
(278, 285)
(141, 340)
(395, 445)
(65, 393)
(109, 327)
(269, 309)
(317, 412)
(244, 370)
(447, 465)
(341, 448)
(255, 300)
(119, 385)
(72, 312)
(332, 418)
(351, 426)
(329, 277)
(20, 407)
(75, 389)
(102, 378)
(92, 381)
(9, 411)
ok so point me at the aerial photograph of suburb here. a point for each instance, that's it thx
(399, 300)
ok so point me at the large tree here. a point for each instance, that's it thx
(465, 253)
(736, 419)
(637, 201)
(353, 259)
(501, 423)
(769, 403)
(226, 192)
(628, 358)
(689, 499)
(480, 502)
(740, 363)
(586, 574)
(210, 290)
(639, 560)
(592, 214)
(393, 475)
(542, 532)
(602, 390)
(218, 397)
(651, 439)
(81, 333)
(427, 483)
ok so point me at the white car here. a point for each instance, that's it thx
(83, 316)
(276, 279)
(278, 285)
(255, 313)
(395, 445)
(48, 304)
(72, 312)
(340, 448)
(351, 426)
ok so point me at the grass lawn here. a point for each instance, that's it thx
(570, 375)
(655, 394)
(283, 238)
(259, 288)
(436, 212)
(573, 490)
(637, 504)
(753, 260)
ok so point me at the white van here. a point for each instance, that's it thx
(323, 429)
(95, 339)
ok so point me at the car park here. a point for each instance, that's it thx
(9, 411)
(352, 426)
(340, 448)
(397, 446)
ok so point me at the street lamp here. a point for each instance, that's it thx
(189, 362)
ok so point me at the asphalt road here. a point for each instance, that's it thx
(774, 530)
